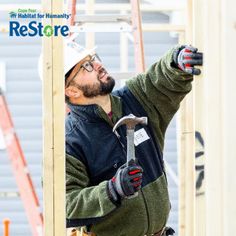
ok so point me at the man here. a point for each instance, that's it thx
(101, 191)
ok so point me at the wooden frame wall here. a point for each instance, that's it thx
(213, 211)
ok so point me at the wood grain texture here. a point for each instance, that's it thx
(53, 122)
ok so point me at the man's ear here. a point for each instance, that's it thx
(73, 92)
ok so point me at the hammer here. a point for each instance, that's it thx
(130, 121)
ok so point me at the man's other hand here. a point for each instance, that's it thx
(186, 57)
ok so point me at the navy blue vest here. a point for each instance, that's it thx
(90, 139)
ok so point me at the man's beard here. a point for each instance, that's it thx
(100, 88)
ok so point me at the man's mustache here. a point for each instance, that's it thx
(101, 73)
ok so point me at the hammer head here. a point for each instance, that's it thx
(130, 121)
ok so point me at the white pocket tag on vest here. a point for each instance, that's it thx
(140, 136)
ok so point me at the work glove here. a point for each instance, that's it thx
(126, 182)
(186, 57)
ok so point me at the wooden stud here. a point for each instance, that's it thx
(219, 67)
(181, 160)
(213, 138)
(187, 151)
(199, 103)
(229, 114)
(186, 169)
(124, 43)
(89, 36)
(53, 123)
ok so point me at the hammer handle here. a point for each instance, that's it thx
(130, 152)
(130, 146)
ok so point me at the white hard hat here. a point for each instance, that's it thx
(74, 53)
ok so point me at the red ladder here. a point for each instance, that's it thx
(136, 24)
(20, 169)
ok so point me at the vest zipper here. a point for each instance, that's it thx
(121, 144)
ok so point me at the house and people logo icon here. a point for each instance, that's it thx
(48, 30)
(12, 14)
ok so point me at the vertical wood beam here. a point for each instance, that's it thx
(229, 114)
(186, 204)
(89, 36)
(187, 150)
(214, 132)
(199, 103)
(189, 133)
(124, 49)
(220, 48)
(53, 127)
(181, 160)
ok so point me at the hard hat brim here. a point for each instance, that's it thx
(72, 57)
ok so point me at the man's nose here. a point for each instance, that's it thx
(97, 65)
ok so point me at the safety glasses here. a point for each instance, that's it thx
(87, 65)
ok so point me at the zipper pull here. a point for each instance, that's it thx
(117, 134)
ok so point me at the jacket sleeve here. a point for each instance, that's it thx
(160, 90)
(84, 205)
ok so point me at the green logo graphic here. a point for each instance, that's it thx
(48, 30)
(12, 14)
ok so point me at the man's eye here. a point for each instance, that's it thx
(87, 64)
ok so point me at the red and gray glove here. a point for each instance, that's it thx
(125, 183)
(186, 57)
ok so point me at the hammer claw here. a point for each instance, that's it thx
(130, 121)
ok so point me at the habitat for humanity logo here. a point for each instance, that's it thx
(33, 27)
